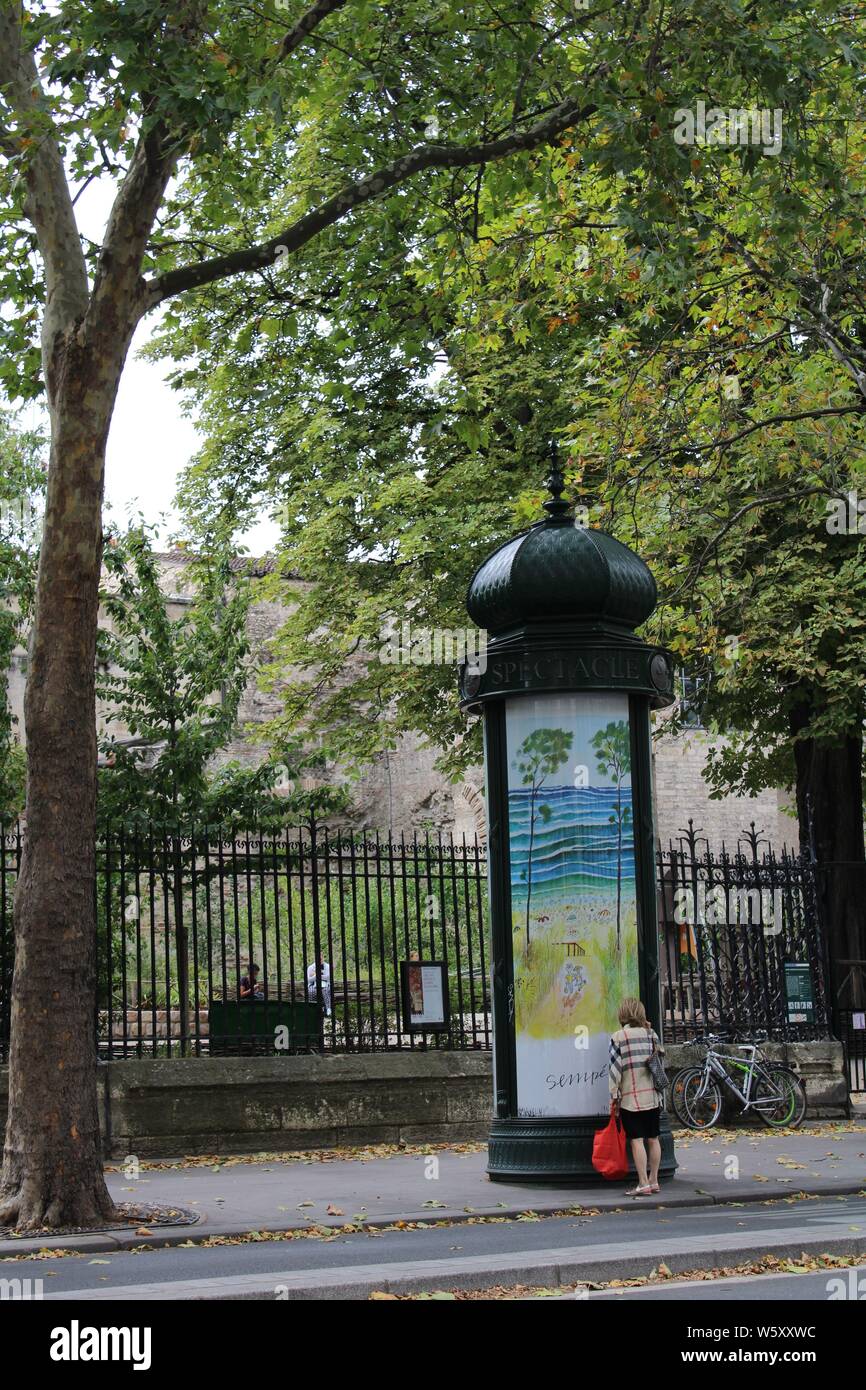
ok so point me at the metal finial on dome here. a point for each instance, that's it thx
(556, 507)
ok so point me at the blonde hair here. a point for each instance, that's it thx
(632, 1013)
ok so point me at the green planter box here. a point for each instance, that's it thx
(251, 1025)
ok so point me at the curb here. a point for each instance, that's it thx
(548, 1268)
(203, 1229)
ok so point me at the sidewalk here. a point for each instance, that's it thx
(234, 1196)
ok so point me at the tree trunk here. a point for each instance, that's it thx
(830, 813)
(52, 1173)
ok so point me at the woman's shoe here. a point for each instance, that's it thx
(639, 1191)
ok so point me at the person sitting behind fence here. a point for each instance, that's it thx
(325, 972)
(251, 987)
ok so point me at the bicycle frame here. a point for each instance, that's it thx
(716, 1063)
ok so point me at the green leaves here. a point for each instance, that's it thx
(22, 482)
(174, 663)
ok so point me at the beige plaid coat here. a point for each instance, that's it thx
(630, 1079)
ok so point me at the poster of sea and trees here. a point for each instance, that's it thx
(574, 912)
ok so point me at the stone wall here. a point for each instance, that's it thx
(252, 1105)
(240, 1105)
(681, 794)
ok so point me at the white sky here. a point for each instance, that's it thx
(150, 441)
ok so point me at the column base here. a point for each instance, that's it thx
(557, 1152)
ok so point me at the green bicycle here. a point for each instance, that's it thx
(775, 1092)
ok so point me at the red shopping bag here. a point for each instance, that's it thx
(608, 1149)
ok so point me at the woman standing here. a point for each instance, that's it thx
(634, 1095)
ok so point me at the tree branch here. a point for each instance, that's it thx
(307, 23)
(118, 281)
(832, 335)
(48, 202)
(841, 345)
(566, 114)
(712, 544)
(130, 223)
(727, 440)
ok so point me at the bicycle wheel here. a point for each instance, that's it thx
(676, 1097)
(696, 1110)
(780, 1085)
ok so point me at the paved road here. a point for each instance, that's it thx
(759, 1288)
(549, 1251)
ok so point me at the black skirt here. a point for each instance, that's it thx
(641, 1124)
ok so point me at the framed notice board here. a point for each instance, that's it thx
(798, 992)
(424, 989)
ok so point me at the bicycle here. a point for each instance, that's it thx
(774, 1091)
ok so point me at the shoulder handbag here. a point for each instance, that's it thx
(661, 1080)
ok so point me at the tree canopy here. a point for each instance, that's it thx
(688, 321)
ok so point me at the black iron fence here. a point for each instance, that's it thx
(328, 917)
(850, 1028)
(740, 943)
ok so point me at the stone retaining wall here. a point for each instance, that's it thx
(247, 1105)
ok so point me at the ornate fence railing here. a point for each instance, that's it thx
(733, 925)
(182, 917)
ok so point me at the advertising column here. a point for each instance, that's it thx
(573, 897)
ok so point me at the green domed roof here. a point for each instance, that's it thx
(557, 571)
